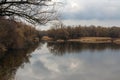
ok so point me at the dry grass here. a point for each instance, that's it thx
(86, 40)
(60, 40)
(95, 38)
(46, 38)
(2, 48)
(92, 40)
(117, 41)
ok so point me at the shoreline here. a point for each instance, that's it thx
(88, 40)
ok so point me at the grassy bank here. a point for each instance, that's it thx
(92, 40)
(16, 35)
(86, 40)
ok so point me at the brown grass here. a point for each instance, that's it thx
(92, 40)
(117, 41)
(46, 38)
(60, 40)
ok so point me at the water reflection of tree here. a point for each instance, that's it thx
(76, 47)
(11, 61)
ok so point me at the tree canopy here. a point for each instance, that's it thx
(33, 11)
(76, 32)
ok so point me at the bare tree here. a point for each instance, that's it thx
(33, 11)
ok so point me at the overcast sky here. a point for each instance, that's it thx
(91, 12)
(92, 9)
(88, 12)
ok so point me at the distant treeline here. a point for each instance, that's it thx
(73, 32)
(16, 35)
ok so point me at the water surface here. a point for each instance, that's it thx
(63, 61)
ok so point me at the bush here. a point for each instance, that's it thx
(16, 35)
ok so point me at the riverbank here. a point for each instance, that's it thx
(86, 40)
(92, 40)
(16, 35)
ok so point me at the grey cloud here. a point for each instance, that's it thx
(109, 10)
(91, 14)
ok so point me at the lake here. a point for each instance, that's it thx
(62, 61)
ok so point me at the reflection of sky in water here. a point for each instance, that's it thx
(88, 65)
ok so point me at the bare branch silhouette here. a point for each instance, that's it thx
(33, 11)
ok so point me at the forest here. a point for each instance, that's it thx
(16, 35)
(74, 32)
